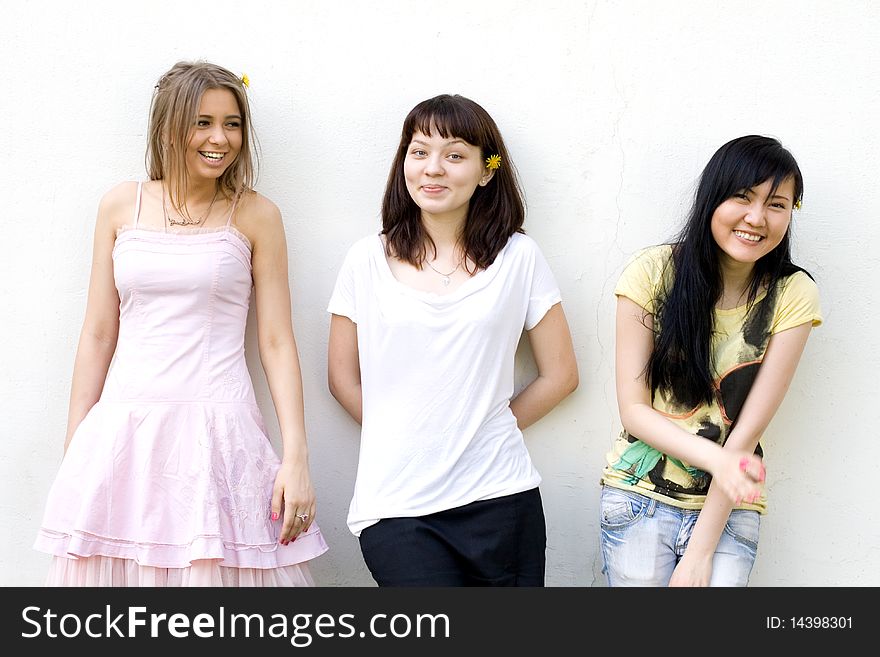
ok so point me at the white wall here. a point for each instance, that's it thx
(610, 110)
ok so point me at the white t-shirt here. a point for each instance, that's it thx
(437, 375)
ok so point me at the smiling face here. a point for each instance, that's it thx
(442, 173)
(216, 137)
(752, 222)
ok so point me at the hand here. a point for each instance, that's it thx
(740, 475)
(692, 571)
(293, 501)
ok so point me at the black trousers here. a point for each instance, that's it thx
(497, 542)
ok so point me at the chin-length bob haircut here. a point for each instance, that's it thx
(173, 113)
(685, 320)
(495, 212)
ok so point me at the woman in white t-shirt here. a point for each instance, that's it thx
(426, 319)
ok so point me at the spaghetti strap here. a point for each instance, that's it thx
(232, 210)
(137, 203)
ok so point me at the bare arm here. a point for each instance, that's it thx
(343, 366)
(293, 493)
(774, 377)
(97, 340)
(557, 376)
(635, 341)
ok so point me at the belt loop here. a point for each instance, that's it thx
(652, 504)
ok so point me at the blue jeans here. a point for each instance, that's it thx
(644, 539)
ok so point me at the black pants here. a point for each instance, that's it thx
(497, 542)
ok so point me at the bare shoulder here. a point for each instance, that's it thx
(258, 217)
(125, 193)
(117, 205)
(255, 209)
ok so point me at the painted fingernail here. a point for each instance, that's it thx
(274, 516)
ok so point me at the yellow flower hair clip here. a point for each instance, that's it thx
(245, 80)
(797, 205)
(493, 162)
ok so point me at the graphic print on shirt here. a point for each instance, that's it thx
(740, 339)
(715, 420)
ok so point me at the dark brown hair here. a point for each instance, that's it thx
(495, 212)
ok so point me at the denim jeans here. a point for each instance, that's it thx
(644, 539)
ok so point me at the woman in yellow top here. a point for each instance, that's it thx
(710, 329)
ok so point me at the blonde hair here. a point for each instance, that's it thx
(173, 112)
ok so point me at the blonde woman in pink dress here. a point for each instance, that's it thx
(168, 476)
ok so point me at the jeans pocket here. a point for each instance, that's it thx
(744, 527)
(619, 509)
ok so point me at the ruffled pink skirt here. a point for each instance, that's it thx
(165, 494)
(112, 571)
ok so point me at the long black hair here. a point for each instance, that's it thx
(684, 320)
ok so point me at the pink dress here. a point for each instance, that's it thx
(168, 479)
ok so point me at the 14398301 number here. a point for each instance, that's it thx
(821, 622)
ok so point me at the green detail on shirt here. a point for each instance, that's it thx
(638, 459)
(695, 473)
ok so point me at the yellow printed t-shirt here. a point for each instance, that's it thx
(738, 346)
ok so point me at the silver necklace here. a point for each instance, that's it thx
(445, 276)
(183, 221)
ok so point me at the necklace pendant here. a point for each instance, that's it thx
(182, 222)
(444, 277)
